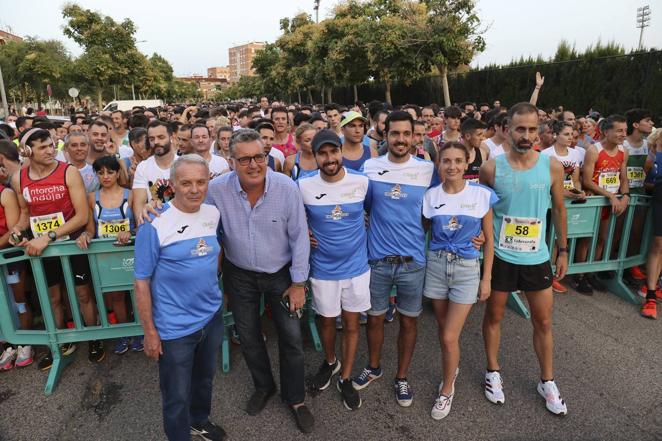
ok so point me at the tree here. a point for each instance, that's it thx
(110, 56)
(449, 36)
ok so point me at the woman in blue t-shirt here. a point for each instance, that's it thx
(112, 217)
(457, 211)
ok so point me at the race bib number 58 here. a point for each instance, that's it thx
(521, 234)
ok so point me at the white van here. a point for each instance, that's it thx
(124, 105)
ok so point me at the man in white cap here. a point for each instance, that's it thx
(354, 152)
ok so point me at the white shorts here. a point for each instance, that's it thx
(331, 297)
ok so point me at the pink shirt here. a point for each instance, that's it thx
(288, 148)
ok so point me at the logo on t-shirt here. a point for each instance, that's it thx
(439, 206)
(161, 190)
(201, 249)
(337, 213)
(453, 224)
(396, 193)
(320, 196)
(181, 230)
(382, 173)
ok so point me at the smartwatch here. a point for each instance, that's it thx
(52, 236)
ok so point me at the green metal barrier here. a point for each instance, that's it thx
(111, 269)
(584, 221)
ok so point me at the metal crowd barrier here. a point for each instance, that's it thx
(112, 269)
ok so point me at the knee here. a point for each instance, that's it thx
(449, 341)
(543, 324)
(494, 316)
(350, 327)
(408, 324)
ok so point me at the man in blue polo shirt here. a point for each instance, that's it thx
(179, 301)
(334, 197)
(396, 247)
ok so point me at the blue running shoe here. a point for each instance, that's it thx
(122, 346)
(366, 377)
(136, 344)
(363, 318)
(390, 312)
(403, 393)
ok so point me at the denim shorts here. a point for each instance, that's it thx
(408, 280)
(450, 277)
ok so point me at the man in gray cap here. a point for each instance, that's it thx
(334, 198)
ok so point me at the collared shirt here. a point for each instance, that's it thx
(268, 236)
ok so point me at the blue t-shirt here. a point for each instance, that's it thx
(395, 202)
(178, 253)
(113, 217)
(336, 218)
(457, 218)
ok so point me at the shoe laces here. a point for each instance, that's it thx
(365, 374)
(552, 391)
(403, 387)
(442, 401)
(24, 351)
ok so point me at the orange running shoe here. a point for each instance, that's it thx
(637, 273)
(557, 287)
(644, 290)
(649, 309)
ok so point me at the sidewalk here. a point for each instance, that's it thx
(608, 366)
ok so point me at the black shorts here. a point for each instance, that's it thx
(80, 268)
(656, 202)
(509, 277)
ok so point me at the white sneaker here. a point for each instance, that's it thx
(24, 356)
(494, 388)
(550, 392)
(7, 359)
(442, 407)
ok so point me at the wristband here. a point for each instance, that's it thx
(299, 284)
(564, 250)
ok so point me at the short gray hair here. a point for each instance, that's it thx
(67, 139)
(191, 158)
(243, 135)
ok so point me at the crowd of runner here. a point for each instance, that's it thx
(335, 199)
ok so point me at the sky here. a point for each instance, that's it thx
(196, 35)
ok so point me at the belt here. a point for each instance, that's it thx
(397, 259)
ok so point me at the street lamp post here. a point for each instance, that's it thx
(317, 11)
(5, 107)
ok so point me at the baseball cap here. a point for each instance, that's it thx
(323, 137)
(350, 116)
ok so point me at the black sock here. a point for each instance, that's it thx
(492, 370)
(400, 379)
(650, 295)
(544, 381)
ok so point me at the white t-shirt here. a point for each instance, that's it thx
(570, 162)
(277, 154)
(217, 166)
(495, 149)
(154, 179)
(125, 151)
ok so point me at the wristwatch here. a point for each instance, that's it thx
(299, 284)
(52, 236)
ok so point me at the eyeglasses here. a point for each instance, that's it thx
(245, 160)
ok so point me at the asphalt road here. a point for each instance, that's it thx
(608, 365)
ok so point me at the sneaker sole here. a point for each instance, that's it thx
(200, 435)
(404, 403)
(24, 364)
(359, 387)
(438, 417)
(121, 352)
(103, 357)
(492, 400)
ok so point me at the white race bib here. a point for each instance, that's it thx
(521, 234)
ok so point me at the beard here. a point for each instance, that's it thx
(338, 165)
(398, 154)
(166, 149)
(522, 146)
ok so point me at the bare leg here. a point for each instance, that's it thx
(540, 304)
(496, 307)
(350, 342)
(406, 343)
(450, 318)
(328, 336)
(375, 332)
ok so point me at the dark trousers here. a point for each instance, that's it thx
(186, 372)
(245, 289)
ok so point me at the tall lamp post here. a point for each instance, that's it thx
(643, 21)
(317, 11)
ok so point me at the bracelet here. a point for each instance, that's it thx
(564, 250)
(299, 284)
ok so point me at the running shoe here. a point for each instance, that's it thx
(494, 388)
(68, 349)
(553, 401)
(96, 351)
(122, 346)
(363, 318)
(7, 358)
(136, 344)
(643, 291)
(367, 376)
(390, 312)
(339, 323)
(208, 432)
(403, 393)
(557, 287)
(322, 378)
(595, 282)
(637, 273)
(649, 309)
(234, 335)
(46, 362)
(582, 286)
(350, 396)
(24, 356)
